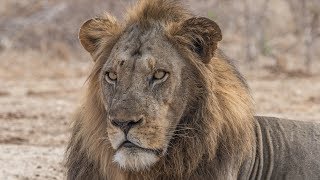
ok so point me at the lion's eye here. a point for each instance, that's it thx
(111, 77)
(158, 75)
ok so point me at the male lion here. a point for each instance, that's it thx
(164, 103)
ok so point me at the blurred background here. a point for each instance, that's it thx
(43, 68)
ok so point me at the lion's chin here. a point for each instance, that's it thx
(135, 159)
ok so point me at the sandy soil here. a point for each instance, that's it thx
(35, 115)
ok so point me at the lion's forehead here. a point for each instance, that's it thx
(141, 51)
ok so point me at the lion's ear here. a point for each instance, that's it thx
(201, 35)
(95, 30)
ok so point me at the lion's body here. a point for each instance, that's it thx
(164, 103)
(284, 149)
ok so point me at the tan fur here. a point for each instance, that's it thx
(219, 132)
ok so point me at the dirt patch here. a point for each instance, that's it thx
(31, 162)
(16, 115)
(13, 140)
(313, 99)
(4, 93)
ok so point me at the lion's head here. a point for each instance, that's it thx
(160, 96)
(142, 83)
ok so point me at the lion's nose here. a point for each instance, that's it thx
(126, 125)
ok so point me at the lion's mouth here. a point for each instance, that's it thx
(130, 145)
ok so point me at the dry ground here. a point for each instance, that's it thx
(38, 97)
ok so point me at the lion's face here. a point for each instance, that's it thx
(141, 84)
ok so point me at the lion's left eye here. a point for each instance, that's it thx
(160, 74)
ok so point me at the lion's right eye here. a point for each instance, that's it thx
(111, 77)
(159, 75)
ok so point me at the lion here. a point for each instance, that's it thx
(163, 102)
